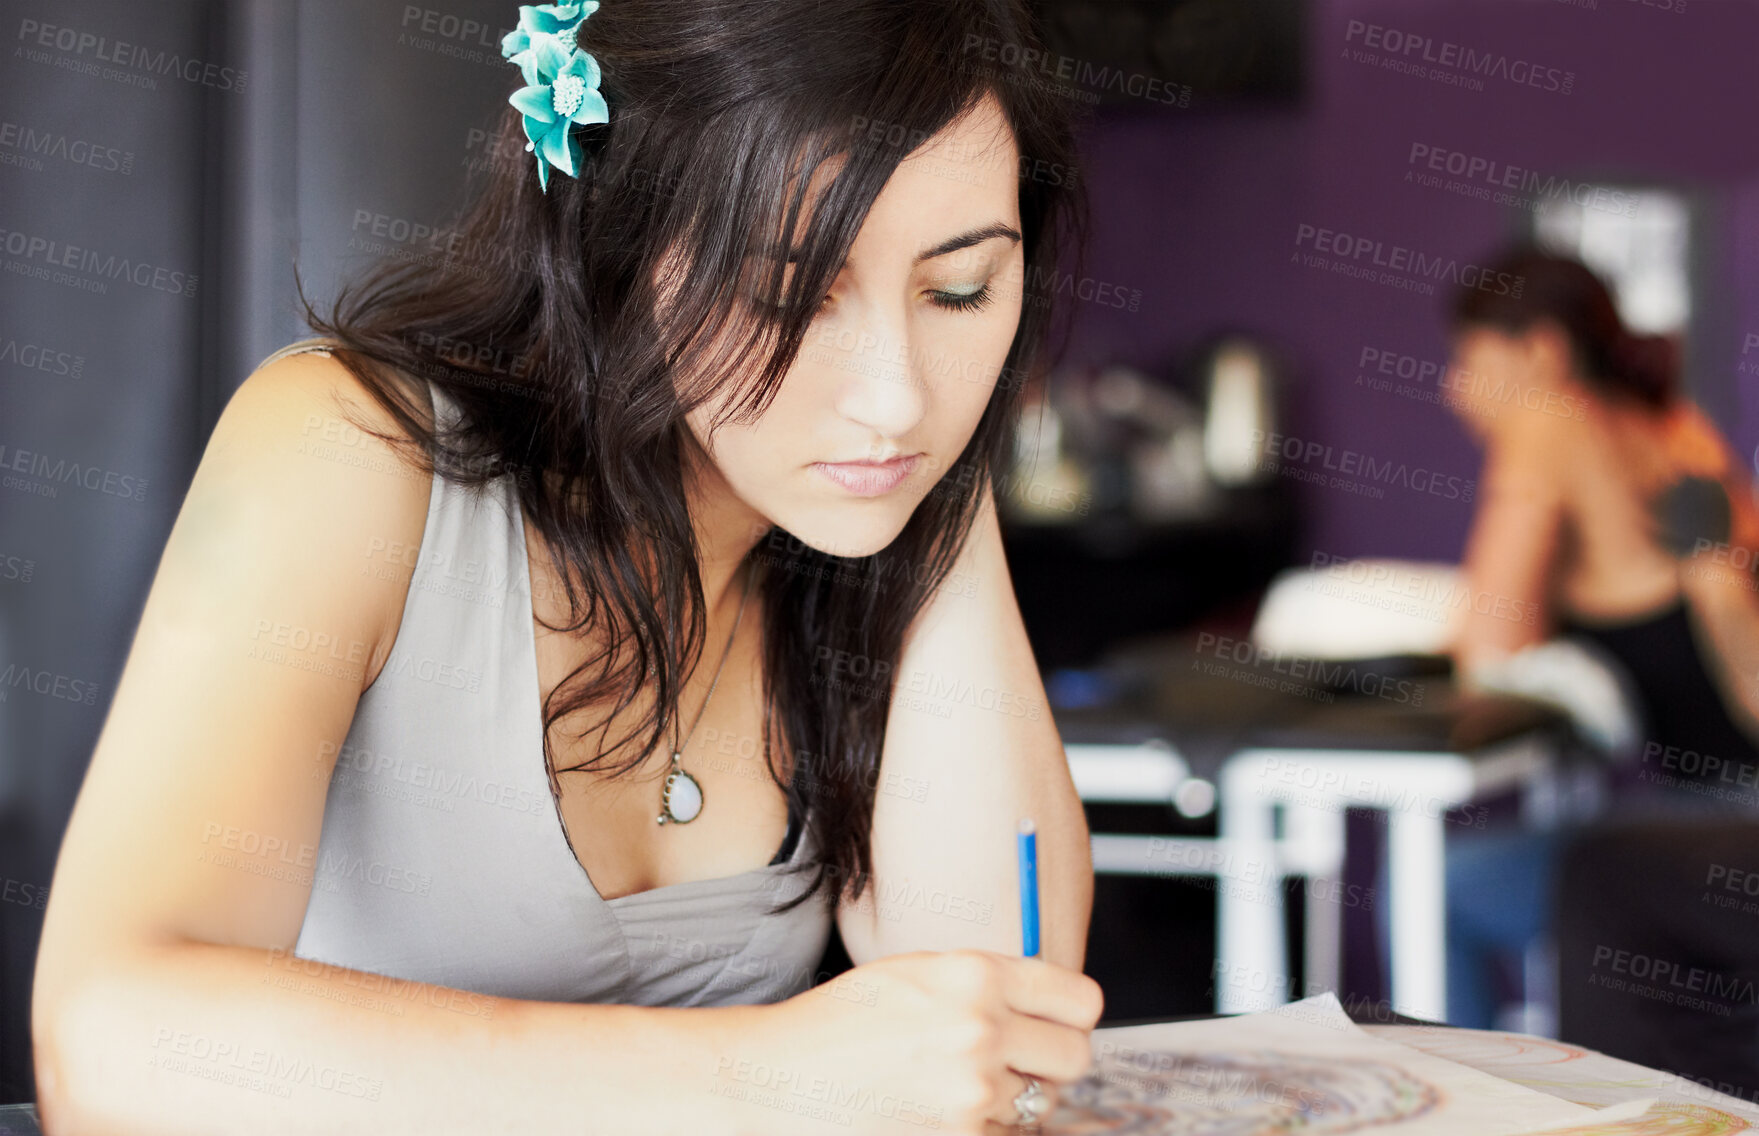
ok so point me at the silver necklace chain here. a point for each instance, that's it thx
(678, 746)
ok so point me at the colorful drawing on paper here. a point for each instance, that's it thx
(1479, 1048)
(1584, 1076)
(1561, 1070)
(1665, 1118)
(1304, 1068)
(1163, 1093)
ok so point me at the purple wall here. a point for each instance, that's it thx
(1200, 209)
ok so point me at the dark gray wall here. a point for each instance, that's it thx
(345, 109)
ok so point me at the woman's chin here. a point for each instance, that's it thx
(849, 537)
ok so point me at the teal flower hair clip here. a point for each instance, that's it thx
(562, 83)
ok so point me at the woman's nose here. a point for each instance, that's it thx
(882, 386)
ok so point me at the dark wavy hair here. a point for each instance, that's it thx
(575, 329)
(1615, 361)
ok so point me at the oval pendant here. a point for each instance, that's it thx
(682, 800)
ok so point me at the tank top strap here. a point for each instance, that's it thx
(318, 344)
(445, 408)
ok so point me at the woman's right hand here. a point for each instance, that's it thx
(936, 1040)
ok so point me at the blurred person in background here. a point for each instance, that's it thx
(1599, 477)
(1612, 508)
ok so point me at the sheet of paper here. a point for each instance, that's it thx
(1655, 1118)
(1571, 1073)
(1304, 1067)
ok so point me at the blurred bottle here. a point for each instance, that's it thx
(1240, 412)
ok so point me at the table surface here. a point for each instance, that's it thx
(1208, 706)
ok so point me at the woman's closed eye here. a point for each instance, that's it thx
(961, 299)
(950, 299)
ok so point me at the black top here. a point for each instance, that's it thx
(793, 836)
(1685, 719)
(1690, 510)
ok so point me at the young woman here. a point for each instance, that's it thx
(1613, 509)
(1597, 471)
(546, 656)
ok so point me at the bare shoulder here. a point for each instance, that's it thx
(1529, 447)
(278, 590)
(297, 446)
(298, 384)
(1531, 456)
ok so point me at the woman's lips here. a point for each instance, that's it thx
(869, 479)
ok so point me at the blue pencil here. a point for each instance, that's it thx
(1027, 843)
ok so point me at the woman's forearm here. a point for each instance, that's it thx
(198, 1038)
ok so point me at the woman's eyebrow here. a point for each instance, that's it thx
(966, 240)
(951, 244)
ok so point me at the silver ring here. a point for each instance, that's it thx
(1031, 1105)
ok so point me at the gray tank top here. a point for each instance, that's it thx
(443, 858)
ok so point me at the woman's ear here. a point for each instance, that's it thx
(1551, 356)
